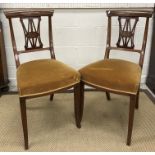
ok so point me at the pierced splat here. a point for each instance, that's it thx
(126, 32)
(32, 32)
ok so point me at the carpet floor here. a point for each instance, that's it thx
(52, 127)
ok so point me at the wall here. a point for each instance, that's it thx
(79, 39)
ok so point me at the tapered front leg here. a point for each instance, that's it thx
(131, 118)
(77, 104)
(24, 120)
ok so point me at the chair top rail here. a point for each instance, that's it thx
(28, 13)
(129, 13)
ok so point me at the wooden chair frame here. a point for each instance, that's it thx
(30, 14)
(134, 98)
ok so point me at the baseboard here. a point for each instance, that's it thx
(149, 93)
(12, 85)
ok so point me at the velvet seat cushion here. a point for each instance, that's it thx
(113, 74)
(43, 76)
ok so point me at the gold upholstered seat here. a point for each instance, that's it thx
(51, 75)
(113, 74)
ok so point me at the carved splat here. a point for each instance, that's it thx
(126, 32)
(32, 32)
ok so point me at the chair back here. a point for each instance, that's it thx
(30, 21)
(127, 23)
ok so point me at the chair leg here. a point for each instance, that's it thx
(77, 104)
(81, 99)
(108, 96)
(51, 97)
(137, 100)
(24, 120)
(131, 118)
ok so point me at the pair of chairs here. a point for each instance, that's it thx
(48, 76)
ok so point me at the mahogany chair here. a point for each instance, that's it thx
(117, 75)
(44, 76)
